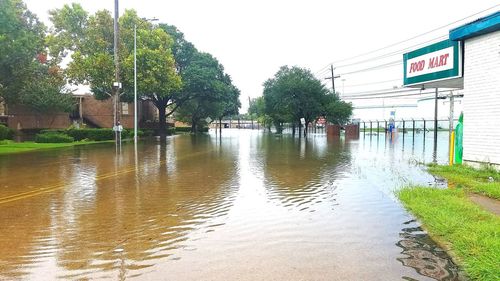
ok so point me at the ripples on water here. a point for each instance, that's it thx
(245, 206)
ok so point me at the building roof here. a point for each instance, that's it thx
(488, 24)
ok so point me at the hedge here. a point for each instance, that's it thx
(6, 133)
(52, 137)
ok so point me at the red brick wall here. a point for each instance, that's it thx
(21, 117)
(101, 112)
(333, 130)
(352, 131)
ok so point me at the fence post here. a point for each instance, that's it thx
(403, 127)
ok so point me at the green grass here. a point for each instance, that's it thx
(8, 147)
(470, 234)
(473, 180)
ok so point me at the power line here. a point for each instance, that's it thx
(409, 39)
(378, 92)
(389, 64)
(371, 83)
(401, 51)
(399, 95)
(414, 37)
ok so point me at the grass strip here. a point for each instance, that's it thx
(470, 234)
(474, 180)
(18, 147)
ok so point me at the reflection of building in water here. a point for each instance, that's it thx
(425, 256)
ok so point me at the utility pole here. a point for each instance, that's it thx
(116, 83)
(251, 117)
(452, 113)
(333, 78)
(435, 120)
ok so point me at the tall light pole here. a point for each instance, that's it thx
(116, 83)
(135, 77)
(135, 83)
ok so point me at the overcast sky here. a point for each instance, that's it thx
(252, 39)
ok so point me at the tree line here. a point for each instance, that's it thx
(171, 72)
(294, 94)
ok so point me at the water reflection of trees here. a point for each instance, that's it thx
(114, 226)
(300, 171)
(422, 254)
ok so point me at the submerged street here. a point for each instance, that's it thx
(247, 206)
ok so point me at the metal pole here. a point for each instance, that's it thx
(435, 126)
(135, 83)
(435, 116)
(452, 113)
(116, 87)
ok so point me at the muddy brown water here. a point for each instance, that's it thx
(247, 206)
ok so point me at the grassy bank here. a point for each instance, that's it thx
(470, 234)
(473, 180)
(8, 147)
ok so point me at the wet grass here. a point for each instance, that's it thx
(485, 181)
(470, 234)
(9, 147)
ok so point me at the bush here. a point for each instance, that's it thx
(6, 133)
(182, 129)
(129, 133)
(52, 137)
(91, 134)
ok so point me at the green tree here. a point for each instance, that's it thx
(48, 93)
(294, 93)
(21, 41)
(92, 56)
(257, 108)
(337, 111)
(210, 89)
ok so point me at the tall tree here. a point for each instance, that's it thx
(21, 41)
(336, 111)
(92, 56)
(294, 93)
(211, 91)
(48, 93)
(258, 108)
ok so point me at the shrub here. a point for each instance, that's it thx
(6, 133)
(183, 129)
(51, 137)
(91, 134)
(129, 133)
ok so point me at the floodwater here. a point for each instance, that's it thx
(247, 206)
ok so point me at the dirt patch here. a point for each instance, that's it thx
(489, 204)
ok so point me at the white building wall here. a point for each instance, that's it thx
(482, 98)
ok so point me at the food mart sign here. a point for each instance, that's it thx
(439, 61)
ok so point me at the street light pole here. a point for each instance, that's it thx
(135, 83)
(116, 84)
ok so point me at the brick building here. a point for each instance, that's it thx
(88, 111)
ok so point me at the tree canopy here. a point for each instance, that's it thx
(294, 93)
(170, 71)
(27, 77)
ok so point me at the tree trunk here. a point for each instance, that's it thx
(162, 124)
(220, 126)
(193, 126)
(305, 129)
(293, 129)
